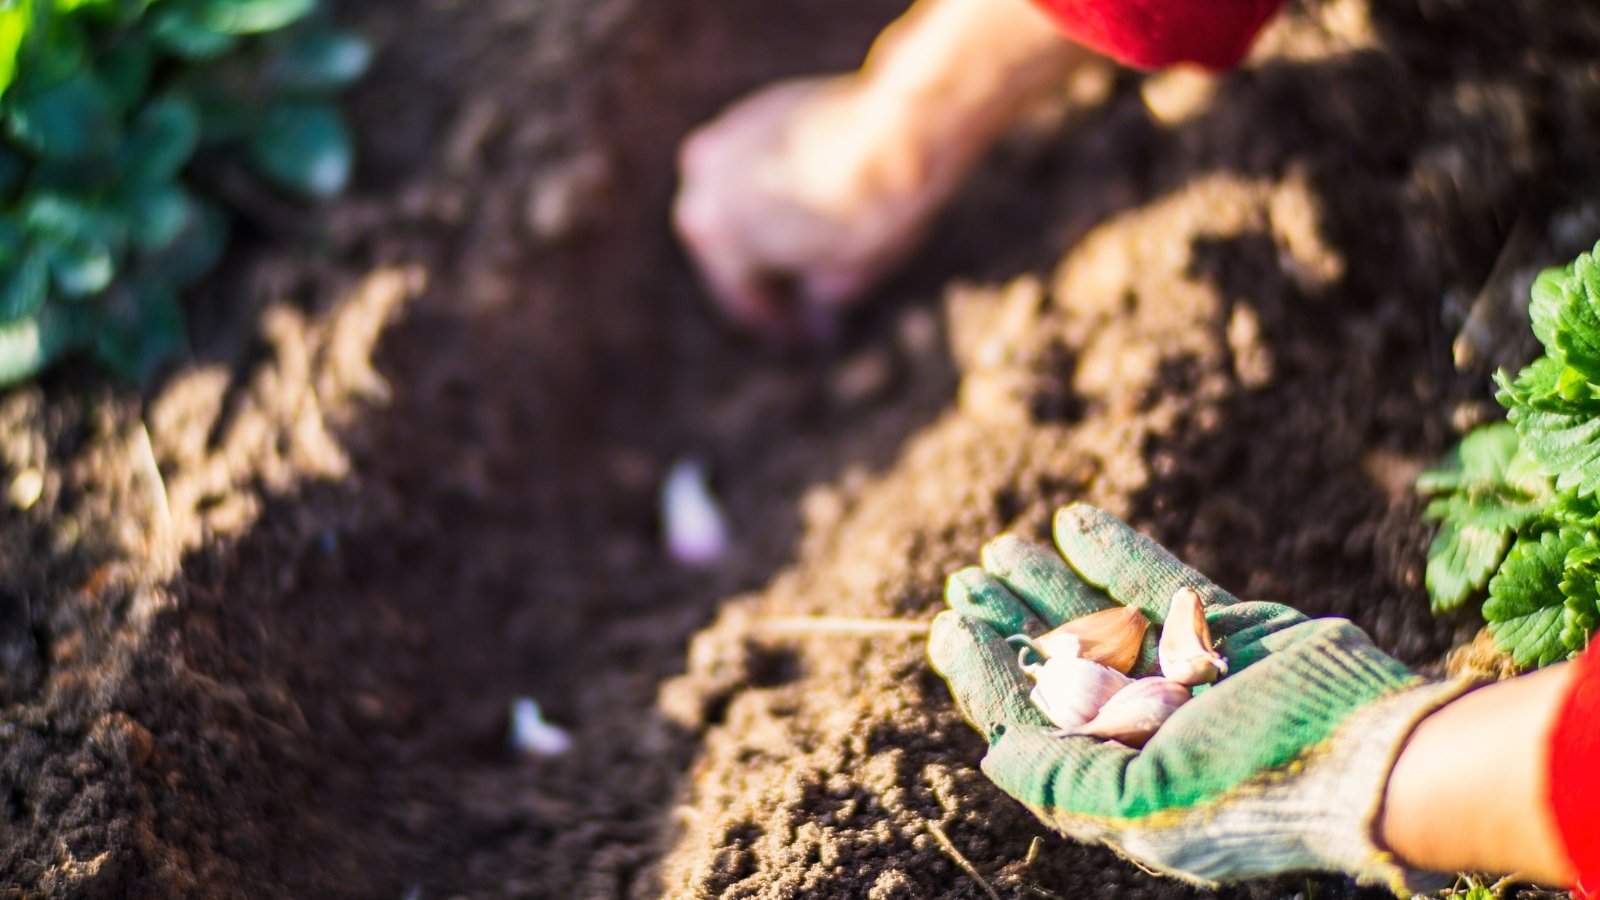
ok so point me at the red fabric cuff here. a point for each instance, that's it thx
(1149, 34)
(1575, 773)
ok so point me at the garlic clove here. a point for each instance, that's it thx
(695, 529)
(1134, 713)
(1070, 691)
(531, 735)
(1185, 649)
(1110, 637)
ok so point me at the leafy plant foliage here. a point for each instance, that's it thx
(1517, 500)
(114, 115)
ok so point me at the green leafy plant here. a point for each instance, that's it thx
(1517, 500)
(114, 115)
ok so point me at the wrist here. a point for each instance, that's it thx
(1480, 764)
(919, 81)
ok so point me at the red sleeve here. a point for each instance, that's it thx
(1575, 773)
(1149, 34)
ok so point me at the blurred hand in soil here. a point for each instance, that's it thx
(1284, 764)
(800, 198)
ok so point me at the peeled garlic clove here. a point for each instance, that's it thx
(1070, 691)
(1110, 637)
(1136, 711)
(1185, 649)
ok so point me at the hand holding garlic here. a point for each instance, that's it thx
(1234, 740)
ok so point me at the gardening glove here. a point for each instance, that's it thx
(1279, 766)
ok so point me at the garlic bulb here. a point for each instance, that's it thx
(1134, 713)
(1185, 650)
(1110, 637)
(1070, 691)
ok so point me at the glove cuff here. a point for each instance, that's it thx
(1356, 762)
(1318, 812)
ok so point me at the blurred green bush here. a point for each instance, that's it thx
(107, 110)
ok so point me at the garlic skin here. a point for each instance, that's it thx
(1135, 712)
(1185, 649)
(1070, 691)
(1110, 637)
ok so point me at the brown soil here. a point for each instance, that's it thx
(260, 630)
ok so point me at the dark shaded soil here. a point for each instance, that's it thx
(261, 628)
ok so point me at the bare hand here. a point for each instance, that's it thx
(797, 200)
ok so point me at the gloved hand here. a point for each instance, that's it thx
(1279, 766)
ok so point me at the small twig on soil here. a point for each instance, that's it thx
(960, 860)
(809, 626)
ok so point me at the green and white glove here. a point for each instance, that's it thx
(1279, 766)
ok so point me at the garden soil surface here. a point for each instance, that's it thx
(261, 624)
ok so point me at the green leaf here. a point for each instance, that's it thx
(1536, 384)
(81, 268)
(58, 217)
(13, 169)
(28, 345)
(141, 330)
(24, 286)
(250, 16)
(1525, 608)
(1485, 489)
(319, 62)
(117, 12)
(16, 21)
(1577, 325)
(181, 33)
(56, 49)
(161, 141)
(71, 119)
(1573, 511)
(125, 67)
(158, 215)
(304, 148)
(194, 252)
(1460, 561)
(1544, 306)
(1580, 583)
(1565, 444)
(1482, 457)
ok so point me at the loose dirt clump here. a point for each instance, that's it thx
(260, 629)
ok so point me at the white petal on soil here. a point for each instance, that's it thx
(532, 735)
(696, 532)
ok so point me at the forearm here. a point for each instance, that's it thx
(954, 74)
(1469, 790)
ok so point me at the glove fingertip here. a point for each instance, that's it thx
(1129, 565)
(978, 595)
(951, 635)
(981, 671)
(1043, 581)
